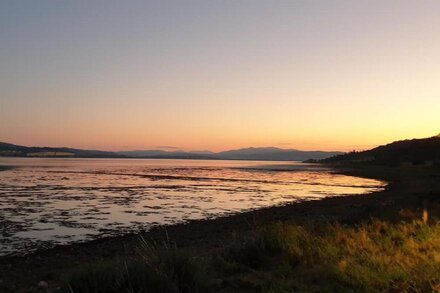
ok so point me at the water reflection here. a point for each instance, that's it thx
(56, 201)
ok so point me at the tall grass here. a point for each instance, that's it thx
(156, 269)
(372, 257)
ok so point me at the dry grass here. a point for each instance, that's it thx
(371, 257)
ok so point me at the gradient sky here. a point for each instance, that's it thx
(197, 75)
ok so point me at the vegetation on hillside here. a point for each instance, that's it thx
(414, 151)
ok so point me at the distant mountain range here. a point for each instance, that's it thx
(266, 154)
(7, 149)
(424, 151)
(274, 154)
(263, 154)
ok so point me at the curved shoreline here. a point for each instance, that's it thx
(403, 191)
(64, 208)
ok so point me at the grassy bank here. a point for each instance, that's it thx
(366, 243)
(318, 257)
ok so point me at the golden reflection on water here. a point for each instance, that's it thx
(54, 201)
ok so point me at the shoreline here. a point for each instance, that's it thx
(176, 225)
(206, 235)
(159, 158)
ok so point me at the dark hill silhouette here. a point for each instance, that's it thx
(259, 154)
(7, 149)
(263, 154)
(159, 154)
(274, 154)
(414, 152)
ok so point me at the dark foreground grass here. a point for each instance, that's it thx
(154, 270)
(318, 257)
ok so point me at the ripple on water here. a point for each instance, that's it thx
(54, 201)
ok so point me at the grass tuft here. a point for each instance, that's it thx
(155, 270)
(320, 257)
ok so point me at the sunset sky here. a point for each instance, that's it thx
(215, 75)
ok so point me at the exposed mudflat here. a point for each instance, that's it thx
(45, 202)
(401, 199)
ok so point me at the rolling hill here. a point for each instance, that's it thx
(258, 154)
(424, 151)
(7, 149)
(263, 154)
(274, 154)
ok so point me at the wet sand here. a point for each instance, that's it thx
(402, 199)
(45, 203)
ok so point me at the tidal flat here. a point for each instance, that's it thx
(400, 202)
(49, 202)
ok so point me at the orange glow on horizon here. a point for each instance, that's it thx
(220, 75)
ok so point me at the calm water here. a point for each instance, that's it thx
(44, 202)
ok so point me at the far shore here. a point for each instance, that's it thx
(156, 158)
(404, 196)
